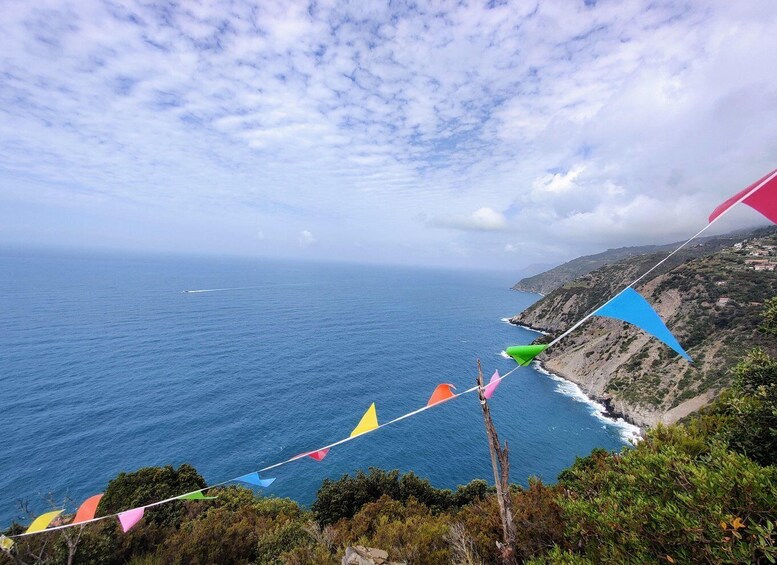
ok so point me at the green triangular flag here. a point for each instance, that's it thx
(523, 354)
(196, 496)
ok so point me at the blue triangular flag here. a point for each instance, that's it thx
(629, 306)
(253, 479)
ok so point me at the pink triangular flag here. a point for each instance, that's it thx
(319, 455)
(492, 384)
(130, 518)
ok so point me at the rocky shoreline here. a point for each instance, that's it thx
(610, 410)
(514, 321)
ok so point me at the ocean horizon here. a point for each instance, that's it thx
(108, 366)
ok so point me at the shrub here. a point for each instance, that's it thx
(344, 497)
(150, 484)
(669, 496)
(751, 408)
(408, 530)
(220, 536)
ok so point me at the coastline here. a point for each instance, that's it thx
(534, 329)
(631, 431)
(515, 288)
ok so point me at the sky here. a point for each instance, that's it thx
(460, 134)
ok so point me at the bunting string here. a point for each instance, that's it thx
(626, 305)
(125, 516)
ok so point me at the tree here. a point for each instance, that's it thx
(344, 497)
(150, 484)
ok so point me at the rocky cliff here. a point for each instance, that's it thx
(712, 304)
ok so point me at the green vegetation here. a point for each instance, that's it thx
(769, 324)
(715, 300)
(343, 498)
(703, 491)
(749, 409)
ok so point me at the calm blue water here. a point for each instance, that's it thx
(106, 366)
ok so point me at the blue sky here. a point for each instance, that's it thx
(489, 134)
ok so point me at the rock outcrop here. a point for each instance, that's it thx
(360, 555)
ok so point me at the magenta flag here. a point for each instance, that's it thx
(492, 384)
(131, 517)
(763, 200)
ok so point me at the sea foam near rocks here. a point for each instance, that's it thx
(627, 431)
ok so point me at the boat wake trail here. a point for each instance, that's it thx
(196, 291)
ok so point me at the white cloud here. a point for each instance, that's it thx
(557, 183)
(634, 117)
(306, 239)
(482, 219)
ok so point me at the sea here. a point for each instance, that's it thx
(106, 365)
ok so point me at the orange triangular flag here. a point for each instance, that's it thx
(442, 393)
(87, 509)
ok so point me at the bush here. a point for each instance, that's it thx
(670, 498)
(769, 324)
(751, 408)
(150, 484)
(220, 536)
(344, 497)
(536, 514)
(408, 530)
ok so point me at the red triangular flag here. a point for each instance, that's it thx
(763, 200)
(319, 455)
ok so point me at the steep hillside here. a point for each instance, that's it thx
(712, 304)
(548, 281)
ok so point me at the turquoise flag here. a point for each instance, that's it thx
(629, 306)
(253, 479)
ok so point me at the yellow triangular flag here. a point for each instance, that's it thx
(6, 543)
(368, 422)
(42, 522)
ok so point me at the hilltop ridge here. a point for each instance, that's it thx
(551, 279)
